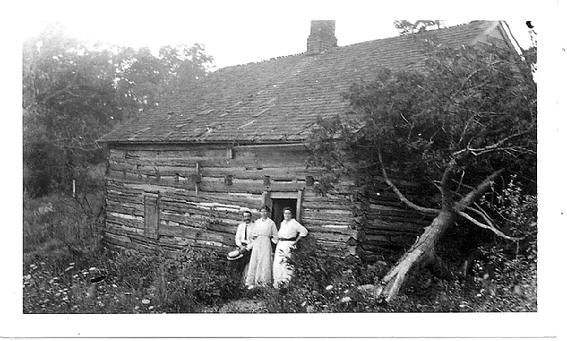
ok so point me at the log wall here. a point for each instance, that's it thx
(200, 191)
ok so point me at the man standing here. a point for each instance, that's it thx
(244, 242)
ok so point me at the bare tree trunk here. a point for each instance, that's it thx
(422, 253)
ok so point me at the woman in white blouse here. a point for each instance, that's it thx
(289, 234)
(263, 234)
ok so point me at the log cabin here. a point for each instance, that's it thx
(180, 175)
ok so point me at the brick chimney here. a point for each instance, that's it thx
(322, 37)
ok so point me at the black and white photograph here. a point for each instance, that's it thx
(271, 163)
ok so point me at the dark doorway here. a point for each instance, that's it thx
(277, 209)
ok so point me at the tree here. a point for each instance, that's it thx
(68, 102)
(407, 27)
(74, 93)
(143, 79)
(458, 127)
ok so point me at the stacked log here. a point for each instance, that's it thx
(202, 190)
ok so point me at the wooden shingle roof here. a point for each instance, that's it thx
(279, 100)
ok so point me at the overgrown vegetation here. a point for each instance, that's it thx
(501, 277)
(462, 125)
(63, 255)
(498, 275)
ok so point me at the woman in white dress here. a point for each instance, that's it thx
(263, 233)
(289, 234)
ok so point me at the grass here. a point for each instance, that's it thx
(63, 257)
(68, 270)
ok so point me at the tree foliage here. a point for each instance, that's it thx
(457, 127)
(407, 27)
(142, 78)
(470, 105)
(74, 93)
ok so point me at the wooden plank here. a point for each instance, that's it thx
(122, 229)
(198, 221)
(266, 198)
(209, 184)
(198, 177)
(216, 157)
(378, 211)
(113, 202)
(125, 208)
(124, 198)
(377, 224)
(381, 240)
(237, 200)
(275, 173)
(334, 237)
(152, 169)
(313, 221)
(318, 229)
(194, 153)
(180, 162)
(310, 196)
(223, 205)
(344, 212)
(398, 219)
(121, 220)
(271, 147)
(156, 147)
(326, 217)
(189, 211)
(299, 206)
(164, 181)
(123, 192)
(119, 186)
(317, 205)
(194, 234)
(119, 240)
(151, 215)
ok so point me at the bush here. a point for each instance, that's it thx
(130, 282)
(499, 281)
(57, 229)
(193, 279)
(324, 283)
(508, 270)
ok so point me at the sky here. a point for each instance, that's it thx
(233, 32)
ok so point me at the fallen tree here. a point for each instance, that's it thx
(459, 127)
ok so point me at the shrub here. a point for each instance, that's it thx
(325, 283)
(132, 269)
(509, 270)
(195, 278)
(57, 230)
